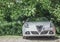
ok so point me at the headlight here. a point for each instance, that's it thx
(26, 25)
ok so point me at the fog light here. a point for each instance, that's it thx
(27, 32)
(51, 32)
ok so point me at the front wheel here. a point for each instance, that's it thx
(24, 37)
(52, 37)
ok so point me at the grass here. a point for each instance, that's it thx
(9, 36)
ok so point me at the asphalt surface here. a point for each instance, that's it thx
(30, 39)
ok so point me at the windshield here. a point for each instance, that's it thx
(37, 19)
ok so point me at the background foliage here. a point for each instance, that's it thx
(14, 12)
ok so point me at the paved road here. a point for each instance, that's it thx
(20, 39)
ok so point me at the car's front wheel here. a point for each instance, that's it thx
(25, 37)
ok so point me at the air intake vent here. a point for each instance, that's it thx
(34, 32)
(44, 32)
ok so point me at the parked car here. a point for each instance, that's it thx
(42, 28)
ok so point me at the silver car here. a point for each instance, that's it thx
(44, 28)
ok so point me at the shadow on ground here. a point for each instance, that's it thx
(42, 38)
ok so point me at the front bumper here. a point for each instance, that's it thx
(41, 35)
(38, 33)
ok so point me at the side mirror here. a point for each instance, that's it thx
(23, 22)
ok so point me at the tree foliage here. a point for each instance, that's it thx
(13, 12)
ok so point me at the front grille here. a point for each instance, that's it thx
(34, 32)
(27, 32)
(39, 28)
(44, 32)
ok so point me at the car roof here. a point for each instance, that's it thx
(40, 21)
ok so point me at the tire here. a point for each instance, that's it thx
(24, 37)
(52, 37)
